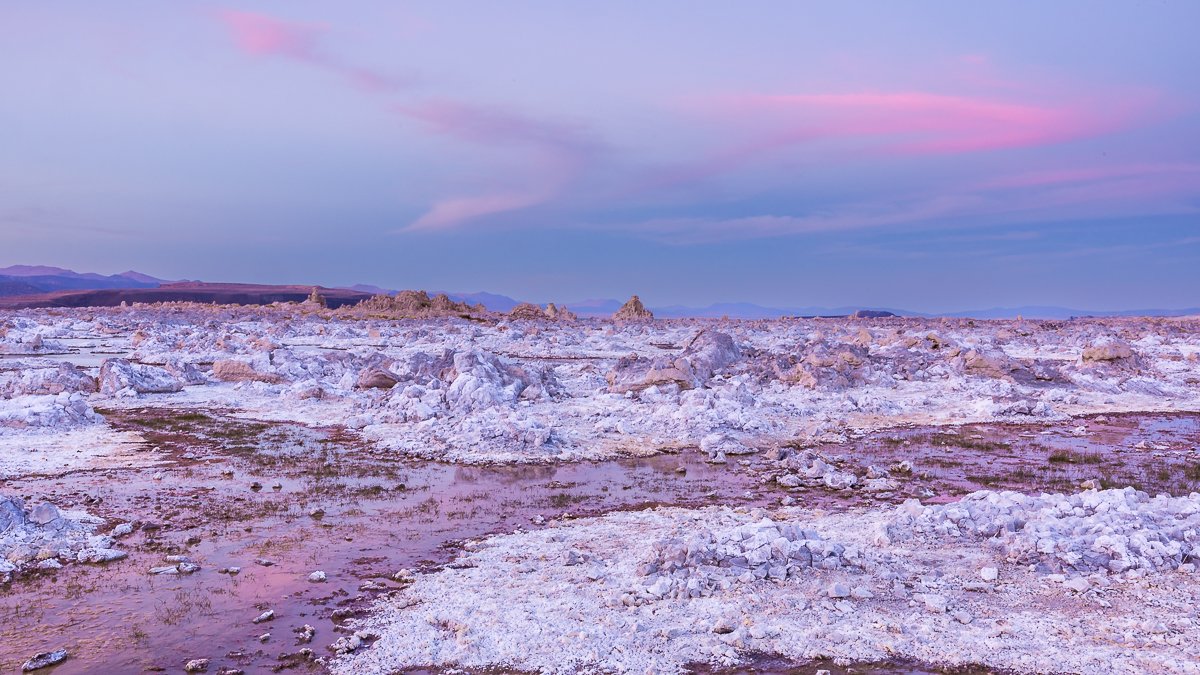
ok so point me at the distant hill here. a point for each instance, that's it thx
(14, 286)
(26, 282)
(31, 279)
(187, 291)
(492, 301)
(746, 310)
(595, 307)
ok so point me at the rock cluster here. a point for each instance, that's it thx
(633, 310)
(530, 312)
(61, 411)
(46, 538)
(707, 561)
(1106, 530)
(42, 377)
(705, 354)
(412, 305)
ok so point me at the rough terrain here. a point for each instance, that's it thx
(873, 484)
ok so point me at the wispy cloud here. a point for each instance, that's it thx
(553, 156)
(529, 160)
(261, 35)
(874, 123)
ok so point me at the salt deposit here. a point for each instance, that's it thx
(656, 590)
(1098, 580)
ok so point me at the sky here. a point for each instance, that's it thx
(930, 156)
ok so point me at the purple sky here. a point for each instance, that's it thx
(930, 156)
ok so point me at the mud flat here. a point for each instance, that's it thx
(493, 493)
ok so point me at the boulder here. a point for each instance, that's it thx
(231, 370)
(376, 378)
(1108, 349)
(12, 514)
(121, 374)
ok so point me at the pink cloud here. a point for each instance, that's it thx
(260, 35)
(922, 122)
(863, 124)
(553, 154)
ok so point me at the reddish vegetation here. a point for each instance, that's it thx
(185, 291)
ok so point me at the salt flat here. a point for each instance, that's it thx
(1108, 580)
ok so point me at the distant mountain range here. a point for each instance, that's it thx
(597, 307)
(34, 280)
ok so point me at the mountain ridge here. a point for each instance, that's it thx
(29, 280)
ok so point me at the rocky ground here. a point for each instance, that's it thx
(886, 459)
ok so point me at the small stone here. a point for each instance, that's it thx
(317, 577)
(936, 603)
(100, 555)
(188, 568)
(838, 590)
(1078, 584)
(723, 626)
(265, 616)
(44, 514)
(962, 616)
(264, 637)
(196, 666)
(346, 644)
(989, 574)
(44, 660)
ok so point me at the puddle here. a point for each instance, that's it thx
(1155, 453)
(379, 516)
(231, 491)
